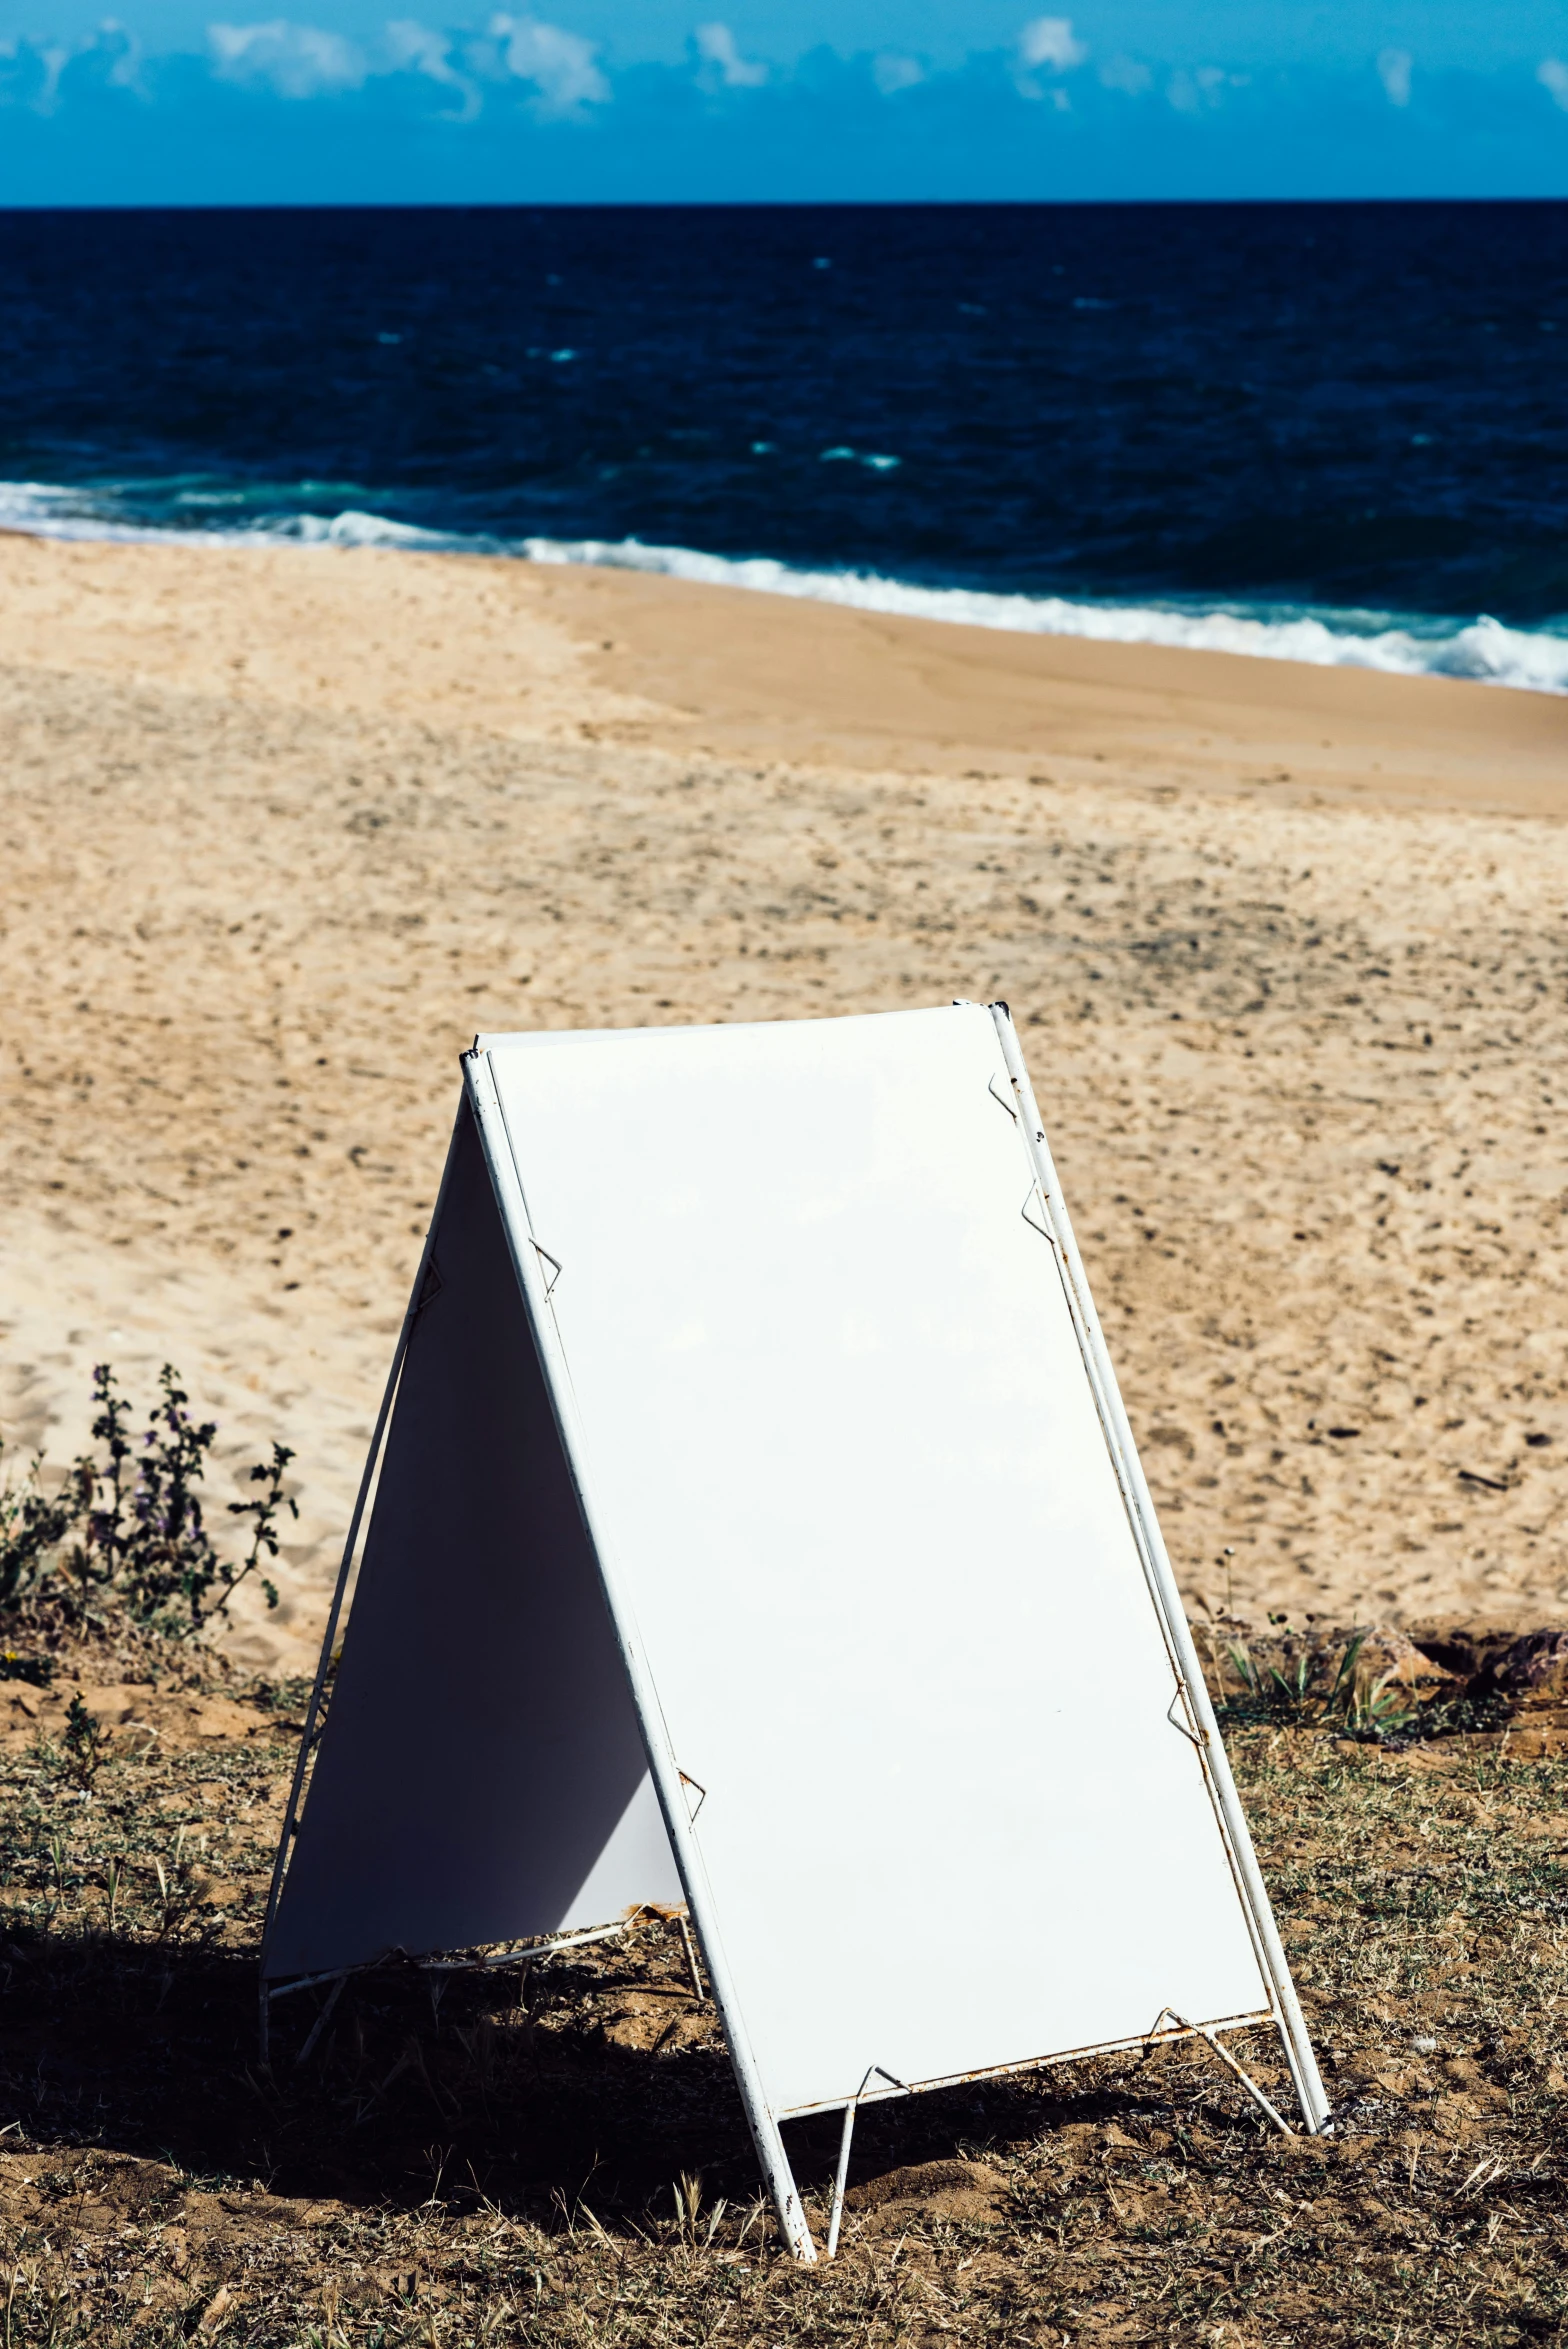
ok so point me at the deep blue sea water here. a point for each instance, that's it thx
(1329, 431)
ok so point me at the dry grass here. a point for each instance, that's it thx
(561, 2160)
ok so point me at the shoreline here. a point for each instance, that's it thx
(1446, 645)
(817, 681)
(286, 826)
(683, 665)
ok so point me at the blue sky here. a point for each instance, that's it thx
(584, 100)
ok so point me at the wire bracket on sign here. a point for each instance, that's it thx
(1002, 1101)
(1033, 1221)
(841, 2176)
(1184, 1726)
(549, 1286)
(1202, 2031)
(701, 1793)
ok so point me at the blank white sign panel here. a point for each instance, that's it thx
(847, 1470)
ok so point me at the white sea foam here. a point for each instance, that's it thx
(42, 509)
(1534, 661)
(38, 509)
(355, 529)
(1484, 649)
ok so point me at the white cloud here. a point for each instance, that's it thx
(1048, 40)
(716, 47)
(559, 64)
(893, 73)
(126, 71)
(1191, 93)
(1552, 75)
(54, 59)
(1393, 71)
(414, 48)
(50, 61)
(295, 60)
(1125, 73)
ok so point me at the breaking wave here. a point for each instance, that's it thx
(1482, 649)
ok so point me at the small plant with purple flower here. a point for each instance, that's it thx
(127, 1523)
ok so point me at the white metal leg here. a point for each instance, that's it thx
(663, 1765)
(1167, 1599)
(841, 2179)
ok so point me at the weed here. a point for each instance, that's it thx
(33, 1525)
(264, 1510)
(687, 2192)
(127, 1526)
(1357, 1704)
(86, 1743)
(39, 1670)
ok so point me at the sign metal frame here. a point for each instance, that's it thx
(536, 1273)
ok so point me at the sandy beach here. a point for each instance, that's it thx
(283, 827)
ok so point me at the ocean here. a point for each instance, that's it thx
(1331, 433)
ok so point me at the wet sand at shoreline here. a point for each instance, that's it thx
(283, 827)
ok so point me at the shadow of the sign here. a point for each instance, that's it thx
(464, 2089)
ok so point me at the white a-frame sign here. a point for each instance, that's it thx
(757, 1521)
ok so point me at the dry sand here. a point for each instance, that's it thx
(282, 828)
